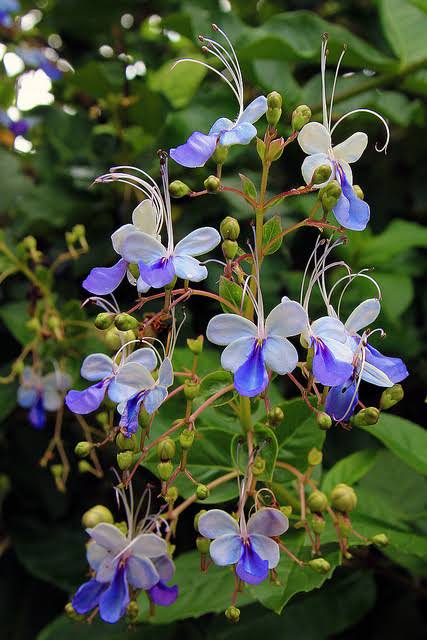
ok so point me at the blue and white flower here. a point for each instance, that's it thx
(225, 132)
(37, 58)
(7, 8)
(41, 393)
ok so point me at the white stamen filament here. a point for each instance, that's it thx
(374, 113)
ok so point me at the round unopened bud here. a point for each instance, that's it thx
(113, 337)
(229, 249)
(122, 526)
(197, 518)
(191, 389)
(124, 460)
(82, 449)
(125, 322)
(84, 466)
(317, 501)
(274, 100)
(391, 396)
(96, 515)
(56, 470)
(203, 544)
(202, 492)
(102, 419)
(380, 540)
(258, 466)
(318, 523)
(319, 565)
(300, 117)
(172, 494)
(132, 612)
(165, 470)
(314, 457)
(366, 417)
(329, 195)
(124, 443)
(166, 449)
(275, 416)
(273, 116)
(220, 154)
(358, 191)
(71, 613)
(79, 231)
(343, 498)
(144, 418)
(212, 184)
(229, 228)
(186, 439)
(232, 614)
(286, 510)
(321, 174)
(104, 320)
(324, 421)
(179, 189)
(195, 345)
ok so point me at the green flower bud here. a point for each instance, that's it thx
(195, 345)
(212, 184)
(358, 191)
(102, 418)
(300, 117)
(366, 417)
(345, 525)
(197, 518)
(124, 460)
(202, 492)
(232, 614)
(134, 269)
(274, 100)
(96, 515)
(220, 154)
(79, 231)
(104, 320)
(303, 342)
(229, 228)
(275, 416)
(165, 470)
(329, 195)
(318, 523)
(122, 526)
(380, 540)
(84, 466)
(273, 116)
(229, 249)
(166, 449)
(30, 243)
(172, 494)
(324, 421)
(314, 457)
(317, 501)
(258, 466)
(71, 613)
(113, 337)
(179, 189)
(56, 470)
(144, 418)
(391, 396)
(124, 443)
(191, 389)
(319, 565)
(82, 449)
(343, 498)
(124, 322)
(132, 612)
(186, 439)
(171, 284)
(203, 544)
(286, 510)
(321, 174)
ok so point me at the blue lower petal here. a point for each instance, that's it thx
(354, 213)
(394, 368)
(113, 602)
(37, 414)
(50, 70)
(159, 274)
(327, 369)
(251, 568)
(196, 151)
(88, 400)
(103, 280)
(129, 419)
(342, 400)
(88, 595)
(251, 377)
(162, 594)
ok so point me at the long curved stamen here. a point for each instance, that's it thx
(377, 115)
(351, 278)
(331, 101)
(103, 303)
(319, 270)
(167, 200)
(323, 56)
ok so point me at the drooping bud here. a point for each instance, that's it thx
(229, 228)
(358, 191)
(275, 416)
(220, 154)
(104, 320)
(343, 498)
(318, 523)
(232, 614)
(186, 439)
(202, 492)
(172, 494)
(195, 345)
(319, 565)
(84, 466)
(165, 470)
(391, 396)
(82, 449)
(314, 457)
(96, 515)
(125, 322)
(324, 421)
(274, 111)
(124, 460)
(166, 449)
(191, 389)
(321, 174)
(212, 184)
(124, 443)
(203, 544)
(366, 417)
(317, 501)
(197, 518)
(258, 466)
(286, 510)
(132, 612)
(179, 189)
(300, 117)
(380, 540)
(229, 249)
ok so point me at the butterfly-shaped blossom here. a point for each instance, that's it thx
(7, 8)
(159, 264)
(147, 217)
(248, 545)
(103, 370)
(41, 393)
(315, 140)
(36, 58)
(17, 127)
(200, 147)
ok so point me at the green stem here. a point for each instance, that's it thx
(245, 414)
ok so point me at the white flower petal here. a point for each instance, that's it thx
(254, 110)
(95, 554)
(26, 397)
(351, 149)
(329, 328)
(226, 550)
(363, 315)
(165, 568)
(376, 376)
(144, 218)
(289, 318)
(135, 376)
(227, 327)
(140, 246)
(120, 235)
(314, 138)
(311, 163)
(268, 522)
(280, 354)
(236, 353)
(96, 367)
(217, 522)
(149, 545)
(198, 242)
(347, 170)
(166, 373)
(141, 573)
(142, 286)
(189, 268)
(108, 536)
(107, 568)
(145, 356)
(154, 398)
(52, 400)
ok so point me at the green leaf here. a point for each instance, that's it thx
(350, 469)
(405, 439)
(265, 439)
(232, 292)
(399, 236)
(405, 27)
(211, 384)
(277, 75)
(66, 629)
(248, 186)
(271, 229)
(15, 317)
(179, 84)
(397, 292)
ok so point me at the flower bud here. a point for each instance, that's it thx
(324, 421)
(144, 418)
(124, 443)
(191, 389)
(186, 439)
(104, 320)
(71, 613)
(220, 154)
(366, 417)
(275, 416)
(329, 195)
(172, 494)
(195, 345)
(229, 228)
(82, 449)
(321, 174)
(102, 419)
(273, 116)
(132, 612)
(317, 501)
(303, 342)
(79, 231)
(345, 525)
(96, 515)
(203, 544)
(165, 470)
(134, 269)
(122, 526)
(300, 117)
(258, 466)
(125, 460)
(84, 466)
(113, 337)
(380, 540)
(391, 396)
(232, 614)
(166, 449)
(319, 565)
(358, 191)
(286, 510)
(202, 492)
(56, 470)
(318, 523)
(179, 189)
(125, 322)
(314, 457)
(212, 184)
(197, 518)
(343, 498)
(274, 100)
(229, 249)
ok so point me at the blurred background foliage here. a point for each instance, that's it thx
(119, 105)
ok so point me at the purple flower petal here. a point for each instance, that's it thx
(251, 568)
(394, 368)
(350, 211)
(103, 280)
(226, 549)
(266, 549)
(50, 70)
(268, 522)
(37, 414)
(327, 369)
(19, 128)
(113, 602)
(88, 400)
(342, 400)
(162, 594)
(141, 572)
(129, 419)
(87, 596)
(251, 377)
(159, 273)
(196, 151)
